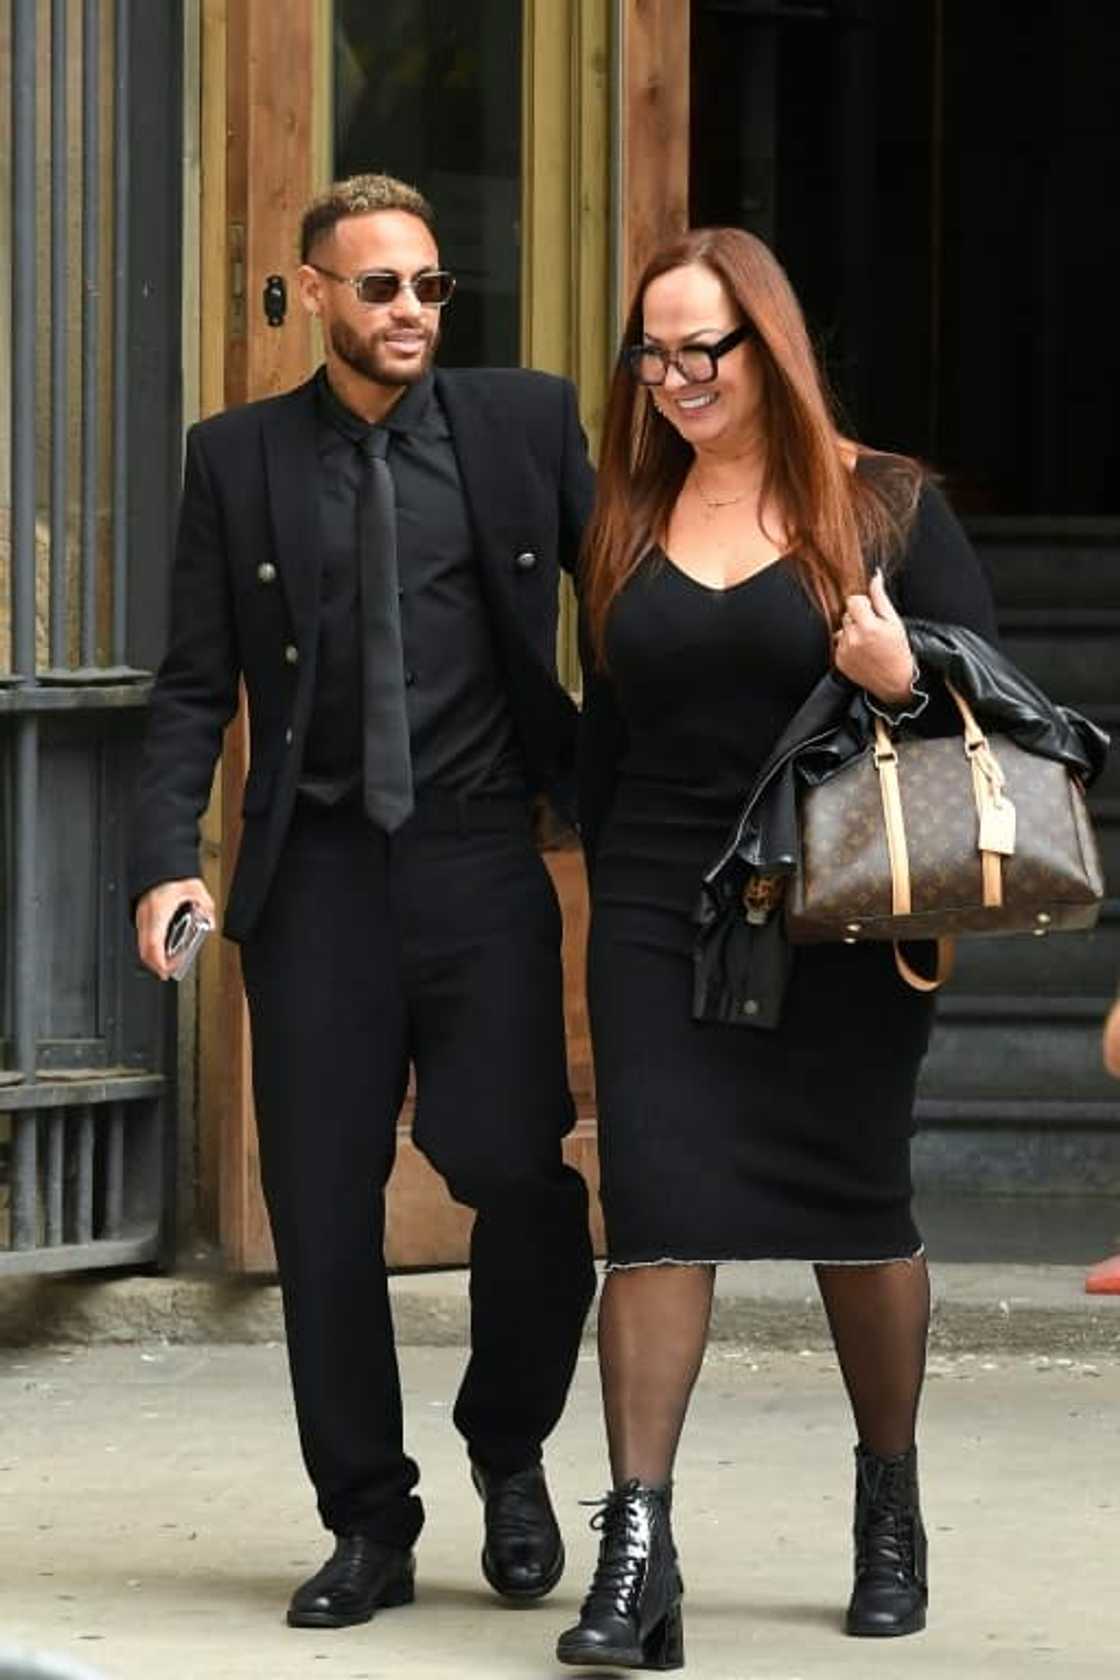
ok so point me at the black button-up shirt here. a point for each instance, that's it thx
(460, 726)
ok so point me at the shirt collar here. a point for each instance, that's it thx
(406, 415)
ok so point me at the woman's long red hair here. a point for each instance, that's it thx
(836, 522)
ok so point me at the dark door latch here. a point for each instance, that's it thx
(275, 300)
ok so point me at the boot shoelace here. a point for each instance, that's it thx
(886, 1544)
(621, 1567)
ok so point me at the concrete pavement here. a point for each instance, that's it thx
(153, 1519)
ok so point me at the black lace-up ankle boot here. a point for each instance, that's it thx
(891, 1591)
(631, 1617)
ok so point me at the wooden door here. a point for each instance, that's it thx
(265, 149)
(270, 91)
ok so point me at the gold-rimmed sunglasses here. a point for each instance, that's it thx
(431, 288)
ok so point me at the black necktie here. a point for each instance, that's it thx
(386, 757)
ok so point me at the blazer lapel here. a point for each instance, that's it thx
(497, 477)
(290, 447)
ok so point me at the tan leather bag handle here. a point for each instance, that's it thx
(996, 839)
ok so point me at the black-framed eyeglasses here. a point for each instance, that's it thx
(432, 287)
(696, 363)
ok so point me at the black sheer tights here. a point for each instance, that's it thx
(879, 1317)
(653, 1327)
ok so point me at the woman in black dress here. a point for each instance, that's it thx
(734, 556)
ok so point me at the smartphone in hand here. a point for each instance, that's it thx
(186, 931)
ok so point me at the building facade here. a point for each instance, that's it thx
(935, 178)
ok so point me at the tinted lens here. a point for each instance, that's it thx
(434, 289)
(377, 288)
(647, 366)
(696, 364)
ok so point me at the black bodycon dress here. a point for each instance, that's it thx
(730, 1142)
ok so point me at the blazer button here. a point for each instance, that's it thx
(266, 572)
(291, 654)
(525, 561)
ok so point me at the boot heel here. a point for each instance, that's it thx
(663, 1646)
(402, 1591)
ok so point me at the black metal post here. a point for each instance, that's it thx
(25, 1177)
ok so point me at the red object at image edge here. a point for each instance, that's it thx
(1104, 1279)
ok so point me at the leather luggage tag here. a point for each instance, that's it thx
(997, 826)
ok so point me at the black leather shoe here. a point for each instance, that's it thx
(631, 1617)
(361, 1577)
(891, 1588)
(523, 1554)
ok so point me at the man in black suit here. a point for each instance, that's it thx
(376, 553)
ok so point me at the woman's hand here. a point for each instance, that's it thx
(872, 647)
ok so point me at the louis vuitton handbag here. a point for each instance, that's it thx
(937, 838)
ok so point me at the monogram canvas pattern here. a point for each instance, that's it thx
(845, 877)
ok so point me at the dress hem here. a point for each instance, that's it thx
(746, 1259)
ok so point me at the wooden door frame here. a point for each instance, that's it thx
(592, 73)
(260, 162)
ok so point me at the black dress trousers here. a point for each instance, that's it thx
(438, 945)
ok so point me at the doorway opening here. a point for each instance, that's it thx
(937, 179)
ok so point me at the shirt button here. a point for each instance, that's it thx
(266, 572)
(287, 737)
(291, 654)
(750, 1007)
(525, 561)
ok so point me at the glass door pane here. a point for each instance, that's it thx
(430, 91)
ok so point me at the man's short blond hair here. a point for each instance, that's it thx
(361, 195)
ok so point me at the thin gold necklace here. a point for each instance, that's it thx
(721, 502)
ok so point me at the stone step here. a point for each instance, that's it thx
(1026, 574)
(1015, 1149)
(1013, 1006)
(1013, 1096)
(1076, 663)
(1062, 966)
(1106, 823)
(1016, 1286)
(1107, 785)
(1016, 1058)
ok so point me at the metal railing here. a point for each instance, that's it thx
(83, 1158)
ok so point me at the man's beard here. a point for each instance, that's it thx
(364, 357)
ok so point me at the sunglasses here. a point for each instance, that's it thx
(697, 363)
(432, 288)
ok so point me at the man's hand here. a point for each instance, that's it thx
(872, 647)
(153, 913)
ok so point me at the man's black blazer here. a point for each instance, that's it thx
(245, 603)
